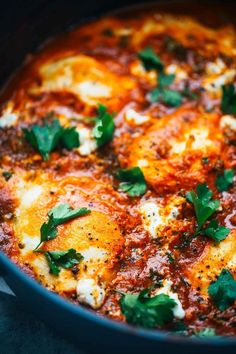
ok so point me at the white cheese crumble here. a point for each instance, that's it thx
(215, 67)
(29, 243)
(196, 139)
(217, 75)
(154, 216)
(151, 217)
(134, 117)
(31, 195)
(8, 118)
(92, 90)
(90, 293)
(179, 73)
(178, 310)
(228, 121)
(87, 142)
(142, 163)
(93, 254)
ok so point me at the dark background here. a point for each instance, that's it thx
(24, 24)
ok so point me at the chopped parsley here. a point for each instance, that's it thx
(104, 126)
(146, 311)
(205, 160)
(7, 175)
(151, 61)
(132, 181)
(215, 231)
(45, 139)
(203, 204)
(205, 207)
(223, 290)
(62, 259)
(225, 181)
(70, 138)
(170, 257)
(57, 216)
(228, 102)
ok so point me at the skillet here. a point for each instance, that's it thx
(21, 31)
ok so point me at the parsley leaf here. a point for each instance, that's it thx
(216, 231)
(132, 181)
(62, 259)
(172, 98)
(70, 138)
(150, 60)
(57, 216)
(223, 290)
(147, 311)
(46, 138)
(225, 181)
(7, 175)
(228, 102)
(206, 332)
(203, 204)
(104, 126)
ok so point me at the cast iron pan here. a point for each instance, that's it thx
(24, 25)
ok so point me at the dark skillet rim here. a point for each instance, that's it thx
(83, 312)
(156, 335)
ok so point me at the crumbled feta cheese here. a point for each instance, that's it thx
(29, 243)
(215, 67)
(217, 75)
(178, 310)
(93, 253)
(151, 217)
(142, 163)
(90, 293)
(31, 195)
(92, 90)
(216, 84)
(179, 73)
(228, 121)
(8, 118)
(87, 142)
(132, 116)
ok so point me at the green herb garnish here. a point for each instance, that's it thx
(45, 139)
(7, 175)
(205, 160)
(57, 216)
(150, 60)
(162, 93)
(204, 208)
(69, 138)
(225, 181)
(223, 290)
(132, 181)
(104, 126)
(203, 204)
(62, 259)
(228, 102)
(146, 311)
